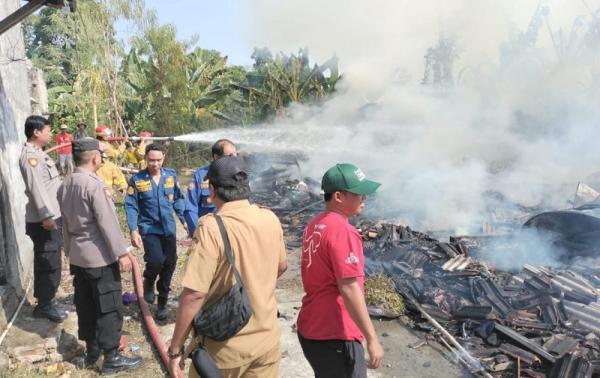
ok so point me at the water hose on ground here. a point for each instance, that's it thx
(147, 316)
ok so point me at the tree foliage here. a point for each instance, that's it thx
(161, 83)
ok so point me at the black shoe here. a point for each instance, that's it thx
(161, 312)
(88, 361)
(118, 362)
(148, 291)
(50, 312)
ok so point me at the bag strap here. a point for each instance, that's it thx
(228, 252)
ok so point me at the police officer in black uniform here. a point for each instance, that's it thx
(42, 215)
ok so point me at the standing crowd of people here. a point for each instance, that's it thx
(233, 241)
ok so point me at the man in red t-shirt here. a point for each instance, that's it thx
(65, 157)
(333, 320)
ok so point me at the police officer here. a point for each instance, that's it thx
(152, 196)
(197, 203)
(42, 215)
(97, 253)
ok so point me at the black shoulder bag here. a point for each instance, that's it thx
(226, 316)
(223, 318)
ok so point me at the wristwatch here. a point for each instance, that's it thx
(176, 354)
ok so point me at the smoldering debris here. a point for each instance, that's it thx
(505, 305)
(540, 321)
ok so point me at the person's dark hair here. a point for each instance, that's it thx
(328, 196)
(219, 147)
(33, 123)
(231, 193)
(82, 124)
(155, 147)
(83, 157)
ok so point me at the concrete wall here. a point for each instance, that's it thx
(18, 83)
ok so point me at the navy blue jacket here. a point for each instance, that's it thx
(196, 204)
(150, 207)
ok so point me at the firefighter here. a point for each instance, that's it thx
(197, 203)
(153, 195)
(140, 150)
(112, 152)
(112, 176)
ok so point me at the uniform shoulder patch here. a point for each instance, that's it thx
(33, 162)
(130, 190)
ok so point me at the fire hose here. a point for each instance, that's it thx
(137, 139)
(148, 319)
(116, 139)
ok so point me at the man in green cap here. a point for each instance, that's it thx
(333, 320)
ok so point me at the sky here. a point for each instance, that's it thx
(216, 24)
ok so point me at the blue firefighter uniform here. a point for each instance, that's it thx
(196, 204)
(149, 208)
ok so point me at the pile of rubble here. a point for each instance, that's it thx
(540, 322)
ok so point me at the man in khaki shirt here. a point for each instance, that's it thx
(257, 244)
(43, 217)
(97, 253)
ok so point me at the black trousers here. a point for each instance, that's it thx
(335, 358)
(46, 260)
(160, 255)
(99, 304)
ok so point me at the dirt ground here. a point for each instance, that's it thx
(400, 360)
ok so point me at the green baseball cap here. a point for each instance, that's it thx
(347, 178)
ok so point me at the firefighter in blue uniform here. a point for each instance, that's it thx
(197, 203)
(153, 195)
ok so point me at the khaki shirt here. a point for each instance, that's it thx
(41, 181)
(257, 243)
(92, 234)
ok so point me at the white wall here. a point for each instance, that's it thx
(16, 258)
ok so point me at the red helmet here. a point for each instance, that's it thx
(145, 134)
(102, 131)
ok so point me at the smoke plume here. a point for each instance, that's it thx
(517, 116)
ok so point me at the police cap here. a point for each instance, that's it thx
(228, 171)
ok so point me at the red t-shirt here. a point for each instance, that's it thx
(331, 249)
(61, 138)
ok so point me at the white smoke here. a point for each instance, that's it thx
(528, 246)
(526, 127)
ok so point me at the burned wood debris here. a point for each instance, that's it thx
(540, 322)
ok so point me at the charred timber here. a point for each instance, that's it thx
(525, 342)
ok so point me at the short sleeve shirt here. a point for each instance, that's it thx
(256, 239)
(62, 139)
(331, 250)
